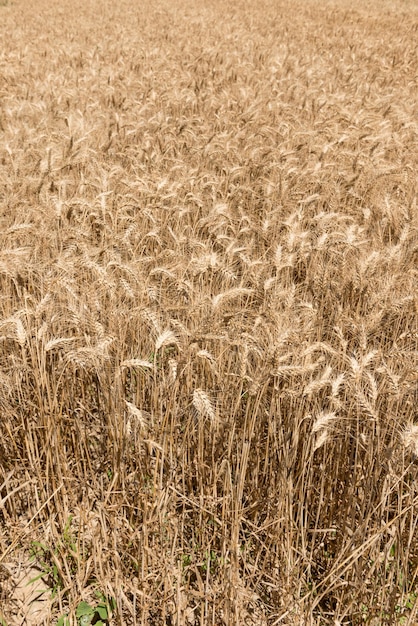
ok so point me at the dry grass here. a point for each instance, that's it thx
(208, 310)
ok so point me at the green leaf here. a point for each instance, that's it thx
(410, 603)
(33, 580)
(101, 609)
(84, 609)
(68, 524)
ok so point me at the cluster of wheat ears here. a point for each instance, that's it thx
(208, 310)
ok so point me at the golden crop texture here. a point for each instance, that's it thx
(209, 311)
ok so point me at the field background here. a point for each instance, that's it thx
(208, 312)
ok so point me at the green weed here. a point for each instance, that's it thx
(86, 614)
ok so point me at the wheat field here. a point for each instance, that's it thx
(209, 312)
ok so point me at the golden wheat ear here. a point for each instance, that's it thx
(409, 440)
(323, 427)
(204, 405)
